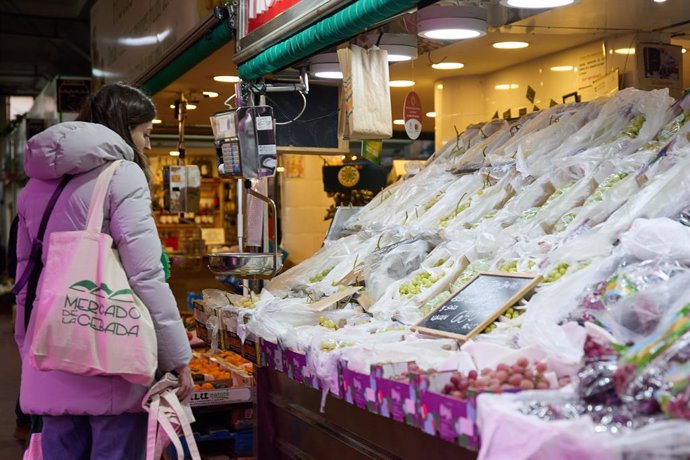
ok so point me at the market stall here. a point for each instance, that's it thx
(586, 204)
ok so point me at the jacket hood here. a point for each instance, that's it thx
(73, 148)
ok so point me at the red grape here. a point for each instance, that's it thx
(541, 367)
(527, 384)
(522, 362)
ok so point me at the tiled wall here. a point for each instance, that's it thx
(303, 205)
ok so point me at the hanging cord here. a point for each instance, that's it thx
(291, 120)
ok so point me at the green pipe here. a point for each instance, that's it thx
(200, 50)
(338, 27)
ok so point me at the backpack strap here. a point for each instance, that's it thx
(33, 269)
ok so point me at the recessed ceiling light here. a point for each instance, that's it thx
(191, 106)
(684, 51)
(562, 68)
(156, 121)
(536, 3)
(325, 65)
(659, 1)
(398, 122)
(448, 65)
(625, 51)
(431, 114)
(510, 45)
(451, 22)
(400, 47)
(210, 93)
(401, 83)
(174, 153)
(172, 106)
(227, 78)
(439, 86)
(506, 86)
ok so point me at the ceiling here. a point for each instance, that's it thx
(40, 39)
(548, 32)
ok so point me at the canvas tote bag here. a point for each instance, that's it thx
(88, 320)
(365, 109)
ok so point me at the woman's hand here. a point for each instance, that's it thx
(186, 383)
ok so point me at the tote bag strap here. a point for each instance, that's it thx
(175, 404)
(94, 219)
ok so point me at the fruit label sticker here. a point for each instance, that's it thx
(477, 304)
(412, 114)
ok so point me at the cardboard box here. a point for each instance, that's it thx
(271, 355)
(297, 369)
(396, 395)
(358, 389)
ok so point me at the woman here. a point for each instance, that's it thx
(98, 417)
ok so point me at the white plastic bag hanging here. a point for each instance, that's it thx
(365, 111)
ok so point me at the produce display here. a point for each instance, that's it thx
(591, 196)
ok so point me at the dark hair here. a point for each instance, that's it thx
(121, 108)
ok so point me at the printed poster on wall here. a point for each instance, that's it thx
(591, 66)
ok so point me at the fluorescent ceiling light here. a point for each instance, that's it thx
(401, 83)
(400, 47)
(510, 45)
(506, 86)
(210, 93)
(174, 153)
(625, 51)
(536, 3)
(156, 121)
(191, 106)
(431, 114)
(562, 68)
(447, 65)
(227, 78)
(398, 122)
(325, 65)
(659, 1)
(451, 22)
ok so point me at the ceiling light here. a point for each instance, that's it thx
(210, 93)
(448, 65)
(562, 68)
(401, 83)
(172, 106)
(400, 47)
(506, 86)
(684, 51)
(174, 153)
(510, 45)
(451, 22)
(325, 65)
(659, 1)
(227, 78)
(191, 106)
(625, 51)
(439, 86)
(431, 114)
(398, 122)
(536, 3)
(156, 121)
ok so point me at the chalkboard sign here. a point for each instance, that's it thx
(477, 304)
(317, 127)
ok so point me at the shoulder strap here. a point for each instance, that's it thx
(37, 244)
(33, 269)
(94, 219)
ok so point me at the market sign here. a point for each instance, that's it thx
(412, 114)
(477, 304)
(263, 23)
(260, 12)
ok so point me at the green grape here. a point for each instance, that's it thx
(564, 221)
(509, 267)
(609, 182)
(327, 323)
(246, 302)
(320, 276)
(417, 284)
(531, 264)
(433, 201)
(460, 208)
(531, 212)
(557, 273)
(668, 131)
(560, 191)
(440, 262)
(632, 130)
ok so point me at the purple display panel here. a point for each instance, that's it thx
(295, 365)
(358, 389)
(271, 355)
(396, 393)
(451, 419)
